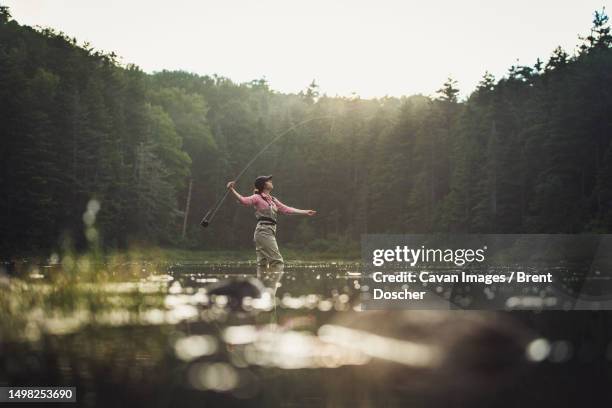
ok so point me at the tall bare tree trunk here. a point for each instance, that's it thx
(187, 208)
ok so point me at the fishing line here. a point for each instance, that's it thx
(211, 213)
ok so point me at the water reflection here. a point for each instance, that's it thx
(194, 334)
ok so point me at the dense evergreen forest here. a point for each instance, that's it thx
(530, 152)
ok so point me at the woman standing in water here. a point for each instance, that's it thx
(267, 208)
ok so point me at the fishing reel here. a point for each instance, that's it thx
(205, 221)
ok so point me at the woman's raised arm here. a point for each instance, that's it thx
(248, 201)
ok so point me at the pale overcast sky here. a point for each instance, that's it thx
(372, 48)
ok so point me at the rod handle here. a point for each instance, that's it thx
(205, 221)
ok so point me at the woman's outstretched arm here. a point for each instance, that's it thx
(285, 209)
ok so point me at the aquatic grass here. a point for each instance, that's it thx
(71, 289)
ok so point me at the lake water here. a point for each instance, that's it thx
(162, 340)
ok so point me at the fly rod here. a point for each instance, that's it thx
(211, 213)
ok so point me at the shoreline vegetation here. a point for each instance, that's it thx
(161, 255)
(291, 255)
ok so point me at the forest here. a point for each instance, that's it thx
(530, 152)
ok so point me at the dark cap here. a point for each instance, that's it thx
(260, 181)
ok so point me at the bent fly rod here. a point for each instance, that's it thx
(211, 213)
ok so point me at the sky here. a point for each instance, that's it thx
(368, 48)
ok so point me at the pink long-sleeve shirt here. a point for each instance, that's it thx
(259, 202)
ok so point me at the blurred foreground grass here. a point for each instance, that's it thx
(67, 290)
(62, 292)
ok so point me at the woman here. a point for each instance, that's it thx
(266, 209)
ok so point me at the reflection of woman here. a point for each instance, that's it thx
(266, 210)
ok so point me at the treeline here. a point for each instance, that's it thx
(531, 152)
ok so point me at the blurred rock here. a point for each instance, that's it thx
(431, 358)
(236, 289)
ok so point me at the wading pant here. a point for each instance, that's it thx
(270, 262)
